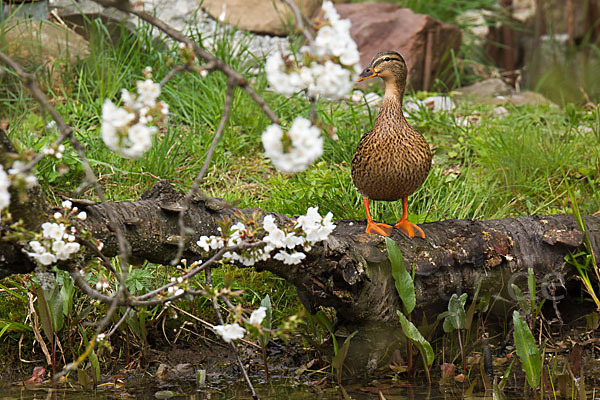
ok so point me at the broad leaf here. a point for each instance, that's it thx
(44, 312)
(337, 361)
(527, 350)
(455, 317)
(411, 332)
(404, 282)
(266, 322)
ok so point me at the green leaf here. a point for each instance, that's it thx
(527, 350)
(267, 321)
(95, 364)
(411, 332)
(337, 362)
(323, 320)
(455, 317)
(66, 293)
(44, 311)
(10, 326)
(520, 299)
(404, 282)
(56, 308)
(531, 287)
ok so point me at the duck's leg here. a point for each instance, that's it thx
(408, 228)
(375, 227)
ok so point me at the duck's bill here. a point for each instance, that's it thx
(366, 74)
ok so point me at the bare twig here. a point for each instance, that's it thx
(172, 73)
(212, 62)
(299, 19)
(200, 176)
(215, 305)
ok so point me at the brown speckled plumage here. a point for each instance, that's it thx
(393, 159)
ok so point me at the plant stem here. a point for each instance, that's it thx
(265, 365)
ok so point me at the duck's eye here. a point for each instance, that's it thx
(387, 59)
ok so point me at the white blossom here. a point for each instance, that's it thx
(287, 258)
(257, 316)
(332, 81)
(306, 145)
(67, 204)
(203, 243)
(82, 216)
(331, 62)
(52, 230)
(37, 247)
(125, 129)
(102, 284)
(15, 170)
(230, 332)
(44, 258)
(314, 226)
(64, 250)
(282, 79)
(148, 92)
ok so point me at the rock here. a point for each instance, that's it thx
(35, 9)
(424, 42)
(500, 112)
(180, 14)
(530, 98)
(486, 90)
(260, 16)
(41, 43)
(476, 24)
(372, 99)
(434, 103)
(495, 91)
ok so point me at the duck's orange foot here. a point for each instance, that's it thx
(409, 229)
(379, 228)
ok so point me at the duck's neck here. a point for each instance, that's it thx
(390, 114)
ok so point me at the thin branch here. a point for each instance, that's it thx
(173, 72)
(215, 258)
(188, 197)
(215, 305)
(299, 19)
(66, 132)
(212, 62)
(29, 82)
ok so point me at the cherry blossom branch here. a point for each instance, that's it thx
(28, 81)
(66, 132)
(212, 62)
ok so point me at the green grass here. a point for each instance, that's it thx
(498, 168)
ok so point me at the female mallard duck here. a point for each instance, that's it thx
(393, 159)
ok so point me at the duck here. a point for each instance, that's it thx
(393, 159)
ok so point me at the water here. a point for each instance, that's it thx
(150, 388)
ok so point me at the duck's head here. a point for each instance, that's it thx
(389, 66)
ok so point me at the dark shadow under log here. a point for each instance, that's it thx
(351, 271)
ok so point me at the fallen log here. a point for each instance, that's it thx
(351, 271)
